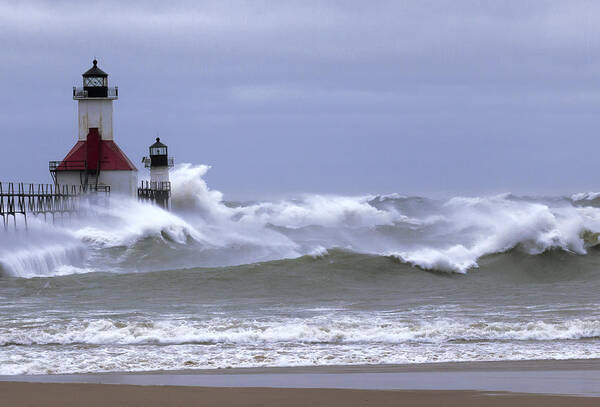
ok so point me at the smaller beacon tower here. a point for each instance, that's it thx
(159, 163)
(158, 190)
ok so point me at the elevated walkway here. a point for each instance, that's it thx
(41, 199)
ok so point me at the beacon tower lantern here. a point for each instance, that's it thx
(96, 163)
(95, 82)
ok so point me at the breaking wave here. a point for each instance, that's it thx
(204, 230)
(113, 345)
(326, 329)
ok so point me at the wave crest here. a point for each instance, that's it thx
(318, 330)
(206, 231)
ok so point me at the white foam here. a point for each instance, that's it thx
(323, 329)
(451, 236)
(496, 224)
(585, 196)
(39, 252)
(55, 347)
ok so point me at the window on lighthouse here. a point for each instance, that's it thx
(158, 151)
(94, 81)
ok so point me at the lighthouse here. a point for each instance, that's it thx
(158, 190)
(159, 163)
(96, 162)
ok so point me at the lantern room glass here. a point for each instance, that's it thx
(158, 150)
(95, 81)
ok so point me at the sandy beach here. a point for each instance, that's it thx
(18, 394)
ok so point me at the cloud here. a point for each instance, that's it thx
(432, 68)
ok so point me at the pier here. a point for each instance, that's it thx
(41, 199)
(155, 192)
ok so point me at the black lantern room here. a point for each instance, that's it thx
(95, 82)
(158, 154)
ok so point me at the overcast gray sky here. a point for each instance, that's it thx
(280, 97)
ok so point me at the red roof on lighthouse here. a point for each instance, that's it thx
(95, 152)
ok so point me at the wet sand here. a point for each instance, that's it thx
(527, 383)
(566, 377)
(102, 395)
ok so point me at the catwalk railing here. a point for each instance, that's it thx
(170, 162)
(41, 199)
(81, 93)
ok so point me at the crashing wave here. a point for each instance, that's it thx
(585, 196)
(205, 231)
(322, 330)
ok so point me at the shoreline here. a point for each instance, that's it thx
(549, 377)
(516, 365)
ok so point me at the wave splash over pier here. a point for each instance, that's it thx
(204, 230)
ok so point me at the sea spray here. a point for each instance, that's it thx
(41, 250)
(204, 230)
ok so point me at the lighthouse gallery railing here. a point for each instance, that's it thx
(80, 93)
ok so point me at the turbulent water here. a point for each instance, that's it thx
(316, 280)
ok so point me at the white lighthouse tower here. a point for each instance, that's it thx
(96, 162)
